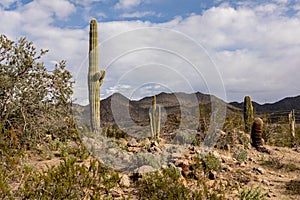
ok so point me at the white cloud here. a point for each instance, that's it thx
(127, 4)
(256, 49)
(101, 15)
(138, 14)
(87, 2)
(282, 1)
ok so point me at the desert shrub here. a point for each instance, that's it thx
(233, 122)
(273, 162)
(240, 154)
(293, 187)
(211, 162)
(70, 180)
(146, 159)
(34, 101)
(114, 132)
(252, 194)
(163, 185)
(167, 184)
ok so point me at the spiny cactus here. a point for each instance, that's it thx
(248, 114)
(256, 132)
(95, 77)
(256, 135)
(155, 117)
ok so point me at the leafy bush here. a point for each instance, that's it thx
(211, 162)
(33, 100)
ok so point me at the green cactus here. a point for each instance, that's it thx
(248, 114)
(95, 77)
(155, 117)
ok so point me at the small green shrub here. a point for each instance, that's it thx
(163, 185)
(211, 162)
(273, 162)
(114, 132)
(276, 163)
(252, 194)
(240, 155)
(293, 187)
(291, 167)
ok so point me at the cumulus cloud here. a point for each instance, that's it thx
(255, 48)
(127, 4)
(138, 14)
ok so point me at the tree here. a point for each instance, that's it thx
(33, 100)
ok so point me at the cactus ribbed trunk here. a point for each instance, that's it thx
(155, 117)
(256, 132)
(95, 77)
(248, 114)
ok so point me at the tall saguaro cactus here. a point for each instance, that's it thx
(248, 114)
(155, 117)
(95, 77)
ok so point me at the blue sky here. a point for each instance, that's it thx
(227, 48)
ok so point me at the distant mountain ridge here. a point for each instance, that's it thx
(286, 104)
(120, 108)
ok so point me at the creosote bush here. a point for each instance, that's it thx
(71, 180)
(167, 184)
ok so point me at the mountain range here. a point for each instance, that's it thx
(118, 109)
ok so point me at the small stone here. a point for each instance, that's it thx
(264, 181)
(144, 169)
(134, 149)
(259, 170)
(133, 143)
(243, 164)
(116, 192)
(164, 166)
(125, 181)
(182, 163)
